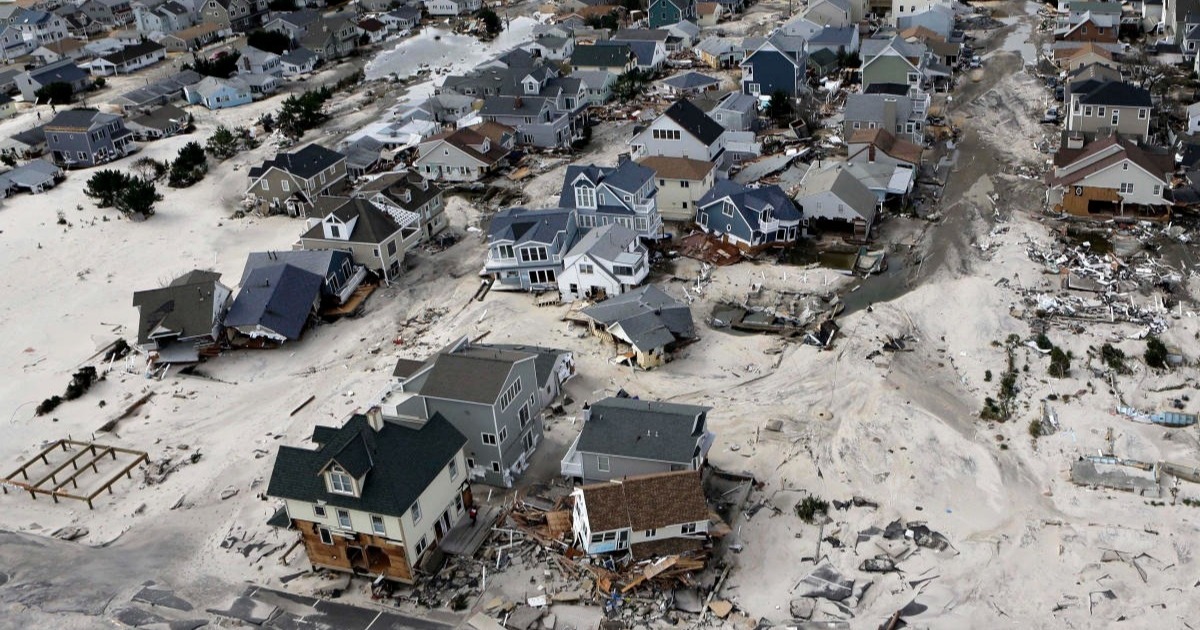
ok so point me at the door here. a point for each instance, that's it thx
(623, 539)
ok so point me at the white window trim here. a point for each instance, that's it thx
(603, 463)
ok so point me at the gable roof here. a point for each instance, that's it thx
(129, 53)
(374, 225)
(278, 298)
(608, 242)
(399, 461)
(750, 202)
(694, 121)
(1104, 92)
(474, 374)
(678, 168)
(305, 163)
(837, 180)
(1157, 164)
(79, 120)
(643, 429)
(63, 70)
(628, 176)
(691, 81)
(646, 501)
(321, 262)
(186, 306)
(594, 55)
(161, 117)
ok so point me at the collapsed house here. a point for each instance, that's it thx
(645, 516)
(651, 322)
(182, 322)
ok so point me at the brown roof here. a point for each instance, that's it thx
(678, 168)
(1090, 47)
(646, 501)
(599, 10)
(884, 141)
(371, 25)
(199, 30)
(921, 33)
(493, 130)
(1157, 164)
(705, 8)
(65, 45)
(467, 138)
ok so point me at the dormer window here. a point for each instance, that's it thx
(585, 197)
(340, 482)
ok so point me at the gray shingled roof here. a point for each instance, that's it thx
(476, 374)
(305, 163)
(643, 429)
(751, 201)
(321, 262)
(600, 55)
(629, 176)
(694, 121)
(648, 317)
(399, 462)
(185, 306)
(374, 225)
(607, 242)
(691, 81)
(521, 225)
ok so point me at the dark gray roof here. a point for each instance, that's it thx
(298, 57)
(895, 89)
(406, 367)
(475, 374)
(278, 298)
(162, 118)
(544, 359)
(79, 119)
(63, 71)
(31, 137)
(513, 106)
(521, 225)
(694, 121)
(648, 316)
(185, 307)
(691, 81)
(627, 177)
(1097, 92)
(643, 429)
(644, 51)
(599, 55)
(305, 163)
(374, 225)
(399, 462)
(135, 51)
(395, 186)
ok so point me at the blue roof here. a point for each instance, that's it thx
(278, 298)
(626, 177)
(751, 201)
(843, 35)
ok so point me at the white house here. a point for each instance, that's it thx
(608, 260)
(683, 130)
(1109, 176)
(641, 514)
(452, 7)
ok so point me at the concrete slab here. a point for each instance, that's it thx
(162, 597)
(247, 610)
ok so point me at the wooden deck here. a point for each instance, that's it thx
(51, 476)
(352, 305)
(464, 539)
(703, 247)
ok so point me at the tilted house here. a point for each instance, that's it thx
(625, 195)
(691, 84)
(1110, 177)
(624, 437)
(377, 237)
(217, 93)
(274, 304)
(61, 71)
(80, 138)
(292, 181)
(162, 122)
(893, 159)
(183, 320)
(736, 112)
(526, 247)
(647, 516)
(651, 322)
(606, 261)
(375, 495)
(750, 218)
(411, 192)
(492, 395)
(129, 59)
(340, 275)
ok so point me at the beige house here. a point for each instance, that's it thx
(292, 181)
(681, 183)
(1097, 108)
(708, 13)
(411, 192)
(375, 496)
(376, 236)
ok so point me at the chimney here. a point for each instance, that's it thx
(622, 158)
(587, 412)
(871, 153)
(375, 418)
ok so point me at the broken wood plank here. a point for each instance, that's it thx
(302, 405)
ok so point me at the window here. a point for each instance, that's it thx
(319, 511)
(685, 205)
(1125, 166)
(421, 545)
(391, 248)
(727, 209)
(489, 439)
(377, 525)
(1087, 111)
(1126, 187)
(523, 413)
(285, 185)
(603, 464)
(684, 184)
(335, 231)
(586, 268)
(82, 155)
(263, 184)
(470, 462)
(1116, 118)
(533, 254)
(340, 482)
(666, 134)
(605, 537)
(1143, 113)
(585, 196)
(453, 469)
(1157, 190)
(458, 503)
(623, 270)
(651, 533)
(344, 519)
(542, 276)
(504, 251)
(326, 537)
(688, 528)
(510, 394)
(503, 434)
(496, 467)
(1100, 111)
(416, 512)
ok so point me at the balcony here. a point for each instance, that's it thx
(351, 285)
(572, 462)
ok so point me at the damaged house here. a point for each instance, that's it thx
(645, 516)
(625, 195)
(1099, 107)
(1110, 177)
(835, 200)
(647, 320)
(624, 436)
(608, 260)
(750, 218)
(292, 181)
(375, 495)
(183, 320)
(378, 237)
(526, 247)
(274, 305)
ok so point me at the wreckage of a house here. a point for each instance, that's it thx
(652, 323)
(646, 516)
